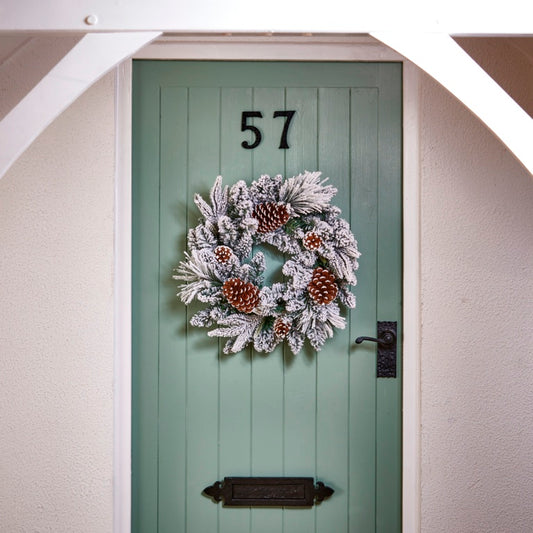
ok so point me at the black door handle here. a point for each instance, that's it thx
(386, 351)
(387, 338)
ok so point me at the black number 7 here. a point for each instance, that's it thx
(288, 117)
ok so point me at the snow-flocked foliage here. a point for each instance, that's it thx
(228, 220)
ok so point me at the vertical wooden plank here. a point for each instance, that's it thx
(362, 504)
(236, 162)
(302, 154)
(267, 157)
(300, 370)
(333, 360)
(202, 351)
(145, 293)
(388, 435)
(172, 313)
(235, 370)
(267, 371)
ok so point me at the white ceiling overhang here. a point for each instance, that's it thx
(419, 31)
(281, 16)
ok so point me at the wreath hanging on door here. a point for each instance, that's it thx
(224, 270)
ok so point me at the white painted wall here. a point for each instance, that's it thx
(56, 320)
(56, 325)
(477, 307)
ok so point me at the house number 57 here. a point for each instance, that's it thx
(245, 126)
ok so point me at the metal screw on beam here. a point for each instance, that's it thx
(91, 20)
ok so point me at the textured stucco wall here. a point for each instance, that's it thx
(477, 307)
(56, 325)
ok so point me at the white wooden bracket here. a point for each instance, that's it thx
(92, 57)
(444, 60)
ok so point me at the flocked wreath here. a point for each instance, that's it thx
(224, 271)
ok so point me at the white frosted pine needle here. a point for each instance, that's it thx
(306, 193)
(219, 201)
(197, 273)
(242, 327)
(195, 268)
(219, 198)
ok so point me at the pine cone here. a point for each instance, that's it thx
(240, 294)
(271, 216)
(281, 328)
(312, 241)
(322, 287)
(223, 254)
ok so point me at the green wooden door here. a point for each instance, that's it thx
(198, 415)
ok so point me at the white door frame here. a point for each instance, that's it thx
(325, 48)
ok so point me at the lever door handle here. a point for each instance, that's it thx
(386, 349)
(387, 338)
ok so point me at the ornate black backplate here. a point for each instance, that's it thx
(268, 491)
(386, 357)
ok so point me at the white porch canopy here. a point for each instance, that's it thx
(115, 31)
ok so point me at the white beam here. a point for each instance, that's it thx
(88, 61)
(444, 60)
(335, 16)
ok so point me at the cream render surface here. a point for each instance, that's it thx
(477, 304)
(56, 333)
(56, 325)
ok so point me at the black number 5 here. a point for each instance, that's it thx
(244, 126)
